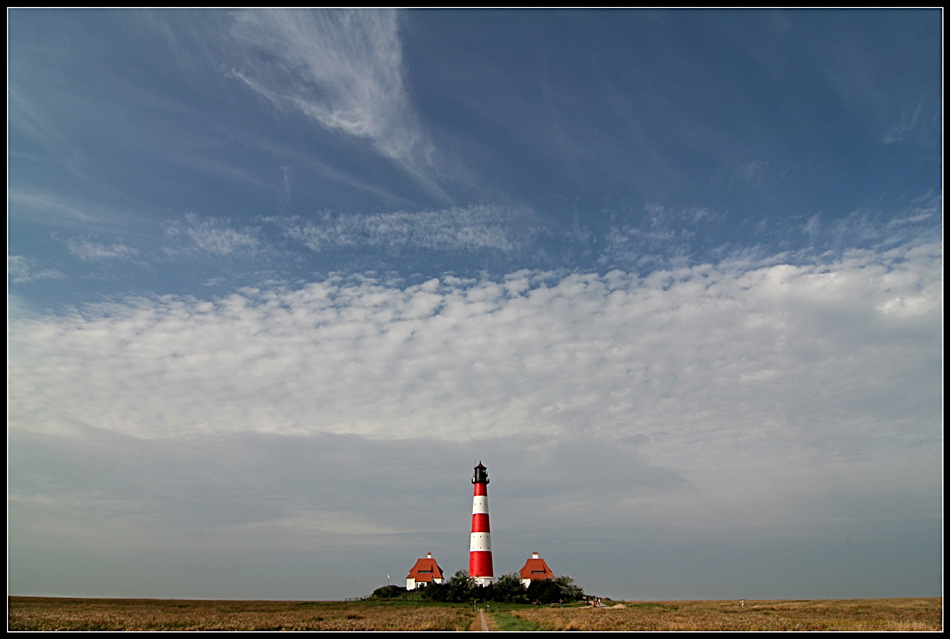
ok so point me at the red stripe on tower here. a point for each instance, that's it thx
(479, 558)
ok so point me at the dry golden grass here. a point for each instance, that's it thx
(923, 614)
(44, 613)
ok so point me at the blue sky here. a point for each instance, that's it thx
(277, 280)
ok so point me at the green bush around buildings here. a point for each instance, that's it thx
(461, 588)
(389, 592)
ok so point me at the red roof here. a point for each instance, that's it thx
(536, 568)
(426, 569)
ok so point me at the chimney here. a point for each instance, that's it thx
(534, 555)
(428, 555)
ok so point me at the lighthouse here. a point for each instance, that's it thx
(479, 558)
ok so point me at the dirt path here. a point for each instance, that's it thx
(480, 624)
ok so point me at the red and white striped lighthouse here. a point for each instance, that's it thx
(479, 558)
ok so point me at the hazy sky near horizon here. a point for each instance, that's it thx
(277, 280)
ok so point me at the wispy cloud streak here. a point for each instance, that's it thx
(89, 251)
(473, 228)
(344, 70)
(21, 270)
(212, 236)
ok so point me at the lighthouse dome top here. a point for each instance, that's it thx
(481, 474)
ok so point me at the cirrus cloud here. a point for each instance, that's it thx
(341, 69)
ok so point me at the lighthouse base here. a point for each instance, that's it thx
(483, 581)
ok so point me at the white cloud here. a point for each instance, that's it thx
(211, 236)
(473, 228)
(93, 251)
(341, 68)
(22, 270)
(709, 350)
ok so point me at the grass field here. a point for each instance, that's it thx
(46, 613)
(848, 615)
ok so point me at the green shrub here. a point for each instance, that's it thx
(558, 589)
(508, 589)
(388, 592)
